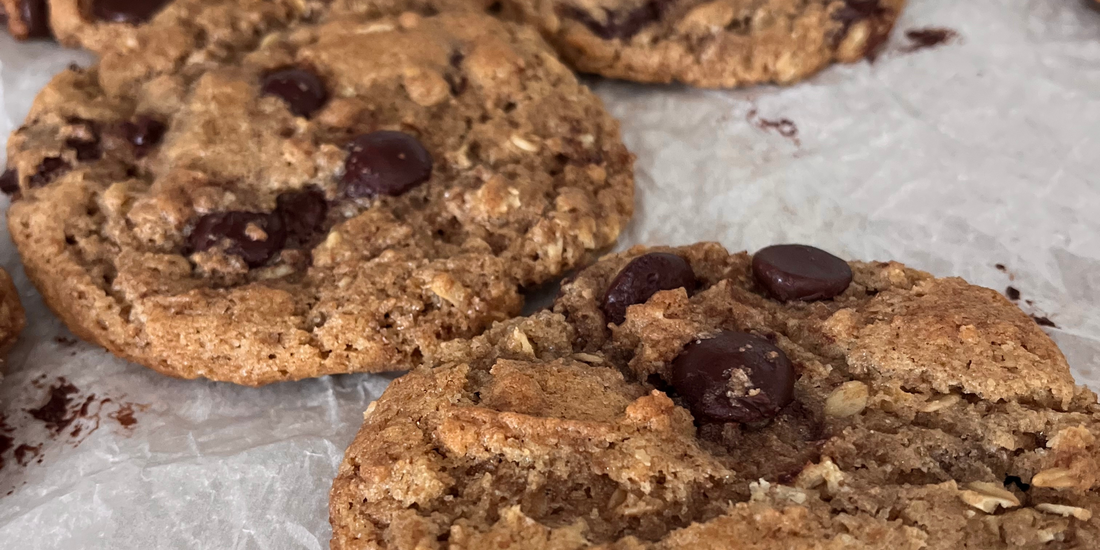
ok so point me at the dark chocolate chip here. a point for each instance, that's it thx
(733, 377)
(235, 229)
(1012, 293)
(48, 170)
(456, 80)
(800, 272)
(9, 182)
(85, 149)
(127, 11)
(302, 91)
(618, 24)
(303, 213)
(643, 277)
(33, 14)
(144, 133)
(385, 163)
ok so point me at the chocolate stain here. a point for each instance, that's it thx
(783, 126)
(1012, 293)
(24, 453)
(928, 37)
(66, 414)
(125, 414)
(55, 413)
(6, 443)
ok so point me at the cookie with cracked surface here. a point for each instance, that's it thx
(894, 411)
(710, 43)
(343, 197)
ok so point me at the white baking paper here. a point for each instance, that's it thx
(981, 151)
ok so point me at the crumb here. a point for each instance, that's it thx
(928, 37)
(1044, 321)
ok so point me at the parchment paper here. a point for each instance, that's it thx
(981, 151)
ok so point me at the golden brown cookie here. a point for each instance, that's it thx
(339, 197)
(787, 399)
(710, 43)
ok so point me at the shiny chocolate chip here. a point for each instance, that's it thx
(254, 236)
(132, 12)
(302, 91)
(643, 277)
(48, 170)
(34, 15)
(303, 213)
(144, 133)
(385, 163)
(733, 377)
(618, 24)
(800, 272)
(9, 182)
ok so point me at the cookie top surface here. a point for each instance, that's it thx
(523, 442)
(710, 43)
(337, 197)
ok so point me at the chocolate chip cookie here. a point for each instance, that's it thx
(710, 43)
(786, 399)
(341, 197)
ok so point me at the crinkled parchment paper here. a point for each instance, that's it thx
(980, 151)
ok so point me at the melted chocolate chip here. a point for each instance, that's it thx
(48, 170)
(456, 80)
(9, 182)
(618, 24)
(643, 277)
(33, 14)
(240, 231)
(733, 377)
(144, 133)
(302, 91)
(85, 149)
(800, 272)
(303, 213)
(127, 11)
(385, 163)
